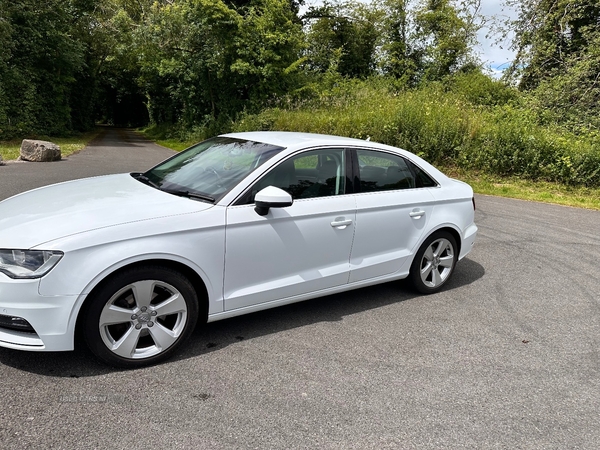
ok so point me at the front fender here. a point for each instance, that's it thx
(195, 240)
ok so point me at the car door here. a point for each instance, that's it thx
(294, 250)
(392, 210)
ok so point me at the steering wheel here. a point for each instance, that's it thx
(213, 171)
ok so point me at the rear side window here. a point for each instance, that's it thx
(383, 172)
(422, 180)
(380, 171)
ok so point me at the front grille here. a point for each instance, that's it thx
(16, 324)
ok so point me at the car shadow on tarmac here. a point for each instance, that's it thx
(218, 335)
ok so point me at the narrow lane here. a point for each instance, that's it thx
(114, 150)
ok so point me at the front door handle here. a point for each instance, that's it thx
(417, 214)
(341, 223)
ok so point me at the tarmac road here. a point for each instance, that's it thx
(507, 356)
(115, 150)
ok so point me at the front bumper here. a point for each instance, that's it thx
(51, 318)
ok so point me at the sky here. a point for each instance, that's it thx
(496, 56)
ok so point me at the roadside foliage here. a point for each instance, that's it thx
(398, 71)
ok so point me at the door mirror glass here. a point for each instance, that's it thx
(271, 197)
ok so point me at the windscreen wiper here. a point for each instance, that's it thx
(180, 192)
(144, 179)
(188, 194)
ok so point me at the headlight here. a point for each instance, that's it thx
(28, 263)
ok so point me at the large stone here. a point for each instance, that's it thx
(39, 151)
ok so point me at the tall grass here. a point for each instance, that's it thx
(429, 123)
(513, 143)
(462, 124)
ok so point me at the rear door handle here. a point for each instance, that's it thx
(417, 214)
(341, 223)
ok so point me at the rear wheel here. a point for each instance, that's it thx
(140, 316)
(434, 262)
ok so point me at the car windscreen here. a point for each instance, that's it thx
(210, 169)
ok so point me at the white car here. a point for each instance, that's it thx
(235, 224)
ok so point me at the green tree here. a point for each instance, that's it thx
(549, 35)
(204, 59)
(38, 67)
(445, 35)
(267, 50)
(343, 36)
(115, 58)
(186, 50)
(398, 58)
(5, 55)
(558, 57)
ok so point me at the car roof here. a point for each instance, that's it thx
(289, 139)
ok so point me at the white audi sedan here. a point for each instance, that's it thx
(235, 224)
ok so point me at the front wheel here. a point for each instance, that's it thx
(140, 316)
(434, 262)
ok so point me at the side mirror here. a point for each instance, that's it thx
(271, 197)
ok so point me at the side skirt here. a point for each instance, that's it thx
(298, 298)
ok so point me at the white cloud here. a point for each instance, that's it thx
(497, 56)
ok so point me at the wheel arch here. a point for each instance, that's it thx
(414, 271)
(453, 231)
(194, 278)
(456, 234)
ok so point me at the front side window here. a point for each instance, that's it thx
(315, 173)
(211, 168)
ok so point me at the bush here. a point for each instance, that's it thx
(512, 143)
(210, 127)
(428, 122)
(479, 89)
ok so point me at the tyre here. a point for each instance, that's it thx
(434, 262)
(140, 316)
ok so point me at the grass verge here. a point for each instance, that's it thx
(175, 144)
(537, 191)
(68, 145)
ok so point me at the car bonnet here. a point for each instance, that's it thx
(45, 214)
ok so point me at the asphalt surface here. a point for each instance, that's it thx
(115, 150)
(507, 356)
